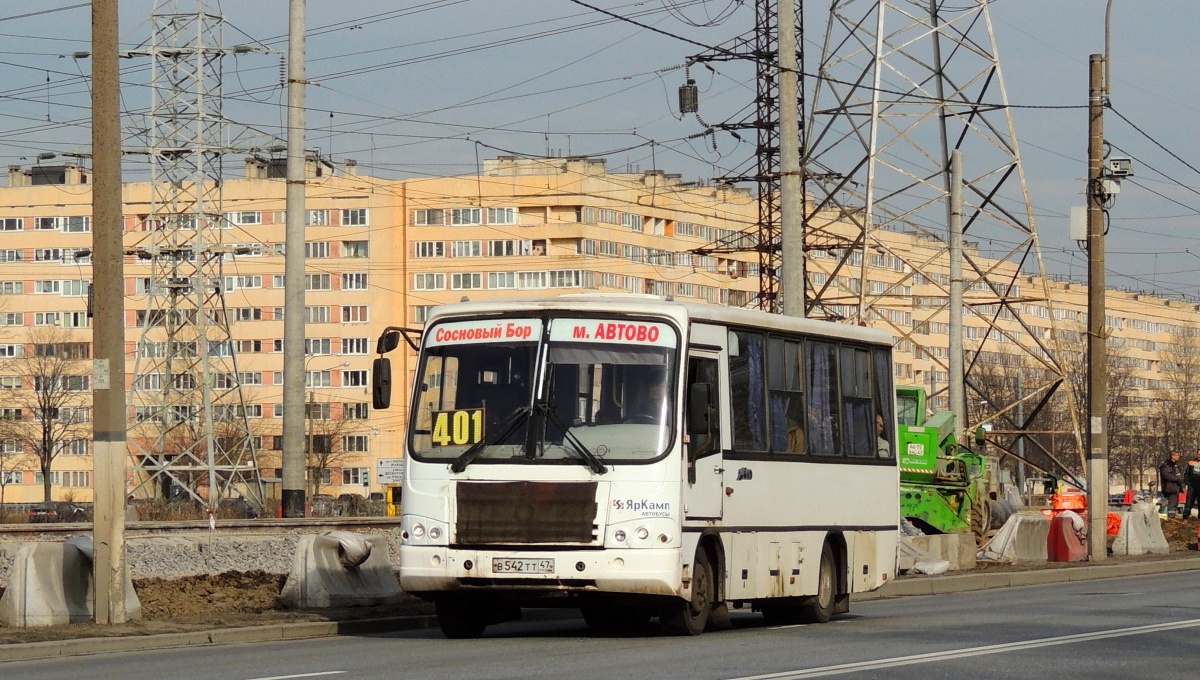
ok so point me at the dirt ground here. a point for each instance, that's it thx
(224, 600)
(252, 598)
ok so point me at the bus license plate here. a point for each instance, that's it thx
(507, 565)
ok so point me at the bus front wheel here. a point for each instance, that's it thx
(691, 618)
(460, 618)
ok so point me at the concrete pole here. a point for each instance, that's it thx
(1097, 351)
(957, 387)
(790, 187)
(108, 315)
(293, 456)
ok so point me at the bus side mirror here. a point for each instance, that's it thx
(388, 341)
(381, 382)
(699, 407)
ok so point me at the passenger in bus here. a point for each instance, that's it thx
(882, 448)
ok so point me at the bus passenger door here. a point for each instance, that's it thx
(703, 463)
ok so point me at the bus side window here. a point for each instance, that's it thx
(704, 371)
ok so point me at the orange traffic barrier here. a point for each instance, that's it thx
(1112, 524)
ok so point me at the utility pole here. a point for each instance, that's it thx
(1097, 352)
(294, 445)
(790, 186)
(957, 387)
(108, 314)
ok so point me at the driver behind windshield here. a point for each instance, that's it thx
(647, 395)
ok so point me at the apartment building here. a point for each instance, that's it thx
(377, 253)
(383, 252)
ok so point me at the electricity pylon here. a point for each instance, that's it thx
(899, 86)
(189, 426)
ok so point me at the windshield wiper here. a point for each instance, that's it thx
(577, 446)
(509, 426)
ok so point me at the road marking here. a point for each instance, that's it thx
(931, 657)
(300, 675)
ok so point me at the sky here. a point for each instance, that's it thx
(433, 87)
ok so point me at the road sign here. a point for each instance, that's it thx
(389, 471)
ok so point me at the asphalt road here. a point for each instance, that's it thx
(1137, 627)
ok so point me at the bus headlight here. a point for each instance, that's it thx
(418, 531)
(642, 533)
(619, 535)
(435, 533)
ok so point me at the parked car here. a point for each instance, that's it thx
(57, 511)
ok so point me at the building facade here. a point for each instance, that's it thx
(382, 253)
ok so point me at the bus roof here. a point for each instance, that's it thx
(627, 303)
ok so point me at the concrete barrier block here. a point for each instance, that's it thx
(1065, 541)
(340, 569)
(1022, 539)
(957, 549)
(1141, 532)
(51, 584)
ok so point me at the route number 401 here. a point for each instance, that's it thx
(457, 428)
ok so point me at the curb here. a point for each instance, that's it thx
(905, 587)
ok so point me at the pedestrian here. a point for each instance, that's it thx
(1170, 482)
(1191, 479)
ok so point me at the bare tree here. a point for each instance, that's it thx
(55, 393)
(1175, 409)
(325, 440)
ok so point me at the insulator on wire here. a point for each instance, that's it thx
(689, 97)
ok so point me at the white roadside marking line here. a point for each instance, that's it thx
(970, 651)
(300, 675)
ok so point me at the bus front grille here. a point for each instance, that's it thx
(496, 513)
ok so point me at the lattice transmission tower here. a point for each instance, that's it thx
(899, 86)
(761, 47)
(189, 427)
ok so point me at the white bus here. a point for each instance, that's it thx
(545, 467)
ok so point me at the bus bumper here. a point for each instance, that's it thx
(427, 569)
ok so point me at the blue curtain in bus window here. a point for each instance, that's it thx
(821, 374)
(858, 412)
(746, 392)
(787, 403)
(885, 440)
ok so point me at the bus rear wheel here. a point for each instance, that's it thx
(691, 618)
(820, 608)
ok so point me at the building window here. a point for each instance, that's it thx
(318, 378)
(354, 314)
(354, 217)
(12, 255)
(429, 217)
(354, 378)
(251, 377)
(319, 314)
(429, 282)
(354, 443)
(45, 287)
(465, 216)
(318, 218)
(356, 281)
(356, 346)
(502, 215)
(12, 319)
(421, 313)
(466, 248)
(249, 346)
(429, 249)
(316, 282)
(12, 350)
(531, 280)
(354, 249)
(316, 249)
(247, 314)
(510, 248)
(356, 410)
(47, 319)
(317, 346)
(502, 280)
(466, 281)
(358, 476)
(12, 224)
(244, 217)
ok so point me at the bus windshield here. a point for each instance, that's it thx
(604, 392)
